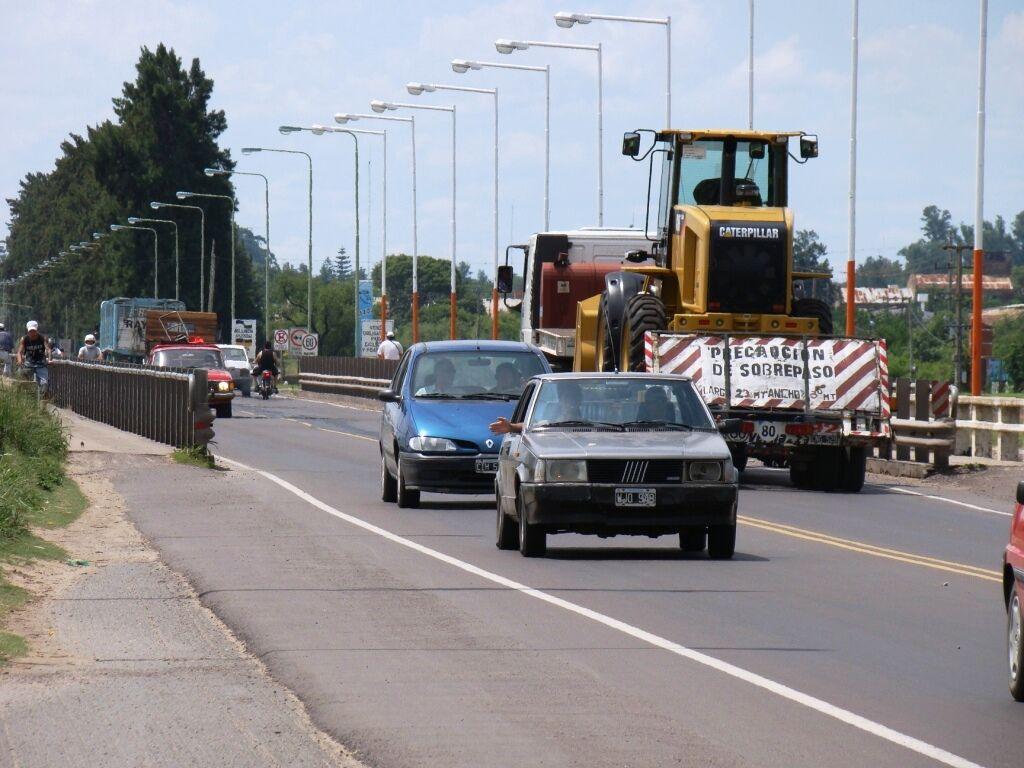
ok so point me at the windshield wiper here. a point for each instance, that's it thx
(660, 424)
(436, 396)
(488, 396)
(582, 423)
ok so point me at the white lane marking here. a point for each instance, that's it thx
(909, 492)
(812, 702)
(324, 402)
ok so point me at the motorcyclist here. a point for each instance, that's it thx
(266, 361)
(6, 350)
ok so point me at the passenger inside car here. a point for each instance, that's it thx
(656, 406)
(507, 379)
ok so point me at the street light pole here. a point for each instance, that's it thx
(851, 263)
(418, 88)
(309, 260)
(156, 251)
(508, 46)
(568, 20)
(233, 202)
(462, 66)
(137, 220)
(156, 206)
(266, 261)
(977, 296)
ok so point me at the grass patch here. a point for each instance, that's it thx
(197, 457)
(60, 506)
(11, 646)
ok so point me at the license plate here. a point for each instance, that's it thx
(487, 466)
(636, 497)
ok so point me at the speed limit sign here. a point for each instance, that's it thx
(280, 340)
(310, 344)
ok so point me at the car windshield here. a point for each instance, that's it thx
(474, 375)
(188, 358)
(619, 403)
(235, 355)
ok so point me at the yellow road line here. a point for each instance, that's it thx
(870, 549)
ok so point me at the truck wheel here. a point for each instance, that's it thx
(692, 539)
(817, 309)
(739, 456)
(644, 312)
(800, 475)
(604, 353)
(533, 542)
(508, 532)
(406, 497)
(827, 471)
(721, 541)
(854, 470)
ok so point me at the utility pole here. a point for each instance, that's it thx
(959, 327)
(910, 334)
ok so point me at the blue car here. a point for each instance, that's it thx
(435, 428)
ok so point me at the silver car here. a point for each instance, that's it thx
(607, 454)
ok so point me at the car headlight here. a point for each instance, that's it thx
(223, 386)
(432, 444)
(705, 471)
(566, 471)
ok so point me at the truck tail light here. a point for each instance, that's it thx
(799, 429)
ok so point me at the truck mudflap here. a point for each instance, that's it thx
(789, 391)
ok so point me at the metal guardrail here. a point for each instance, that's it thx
(360, 367)
(923, 430)
(167, 405)
(353, 386)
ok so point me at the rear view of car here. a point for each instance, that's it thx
(1013, 592)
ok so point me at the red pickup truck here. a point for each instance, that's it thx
(199, 355)
(1013, 592)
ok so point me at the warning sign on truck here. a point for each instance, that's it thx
(775, 371)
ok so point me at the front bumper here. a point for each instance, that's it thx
(222, 397)
(590, 508)
(447, 474)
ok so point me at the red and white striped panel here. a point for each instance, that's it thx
(766, 400)
(940, 399)
(885, 396)
(682, 355)
(857, 376)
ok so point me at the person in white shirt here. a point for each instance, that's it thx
(389, 349)
(90, 353)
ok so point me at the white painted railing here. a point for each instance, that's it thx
(990, 427)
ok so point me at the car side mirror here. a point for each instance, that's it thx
(808, 146)
(631, 144)
(730, 426)
(1020, 492)
(506, 276)
(389, 396)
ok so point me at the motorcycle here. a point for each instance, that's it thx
(265, 384)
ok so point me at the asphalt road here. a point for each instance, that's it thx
(858, 630)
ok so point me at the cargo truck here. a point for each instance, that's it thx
(129, 328)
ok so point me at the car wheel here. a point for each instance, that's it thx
(533, 541)
(388, 486)
(1015, 642)
(692, 539)
(406, 497)
(508, 532)
(721, 541)
(223, 411)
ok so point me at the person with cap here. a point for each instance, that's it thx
(6, 350)
(389, 349)
(34, 353)
(90, 353)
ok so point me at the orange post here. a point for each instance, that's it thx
(851, 304)
(415, 317)
(494, 313)
(454, 317)
(976, 304)
(383, 316)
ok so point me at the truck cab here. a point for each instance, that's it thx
(559, 270)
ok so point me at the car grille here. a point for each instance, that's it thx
(635, 471)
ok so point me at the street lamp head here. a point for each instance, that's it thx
(156, 206)
(464, 65)
(508, 46)
(417, 89)
(98, 235)
(216, 172)
(566, 20)
(250, 150)
(319, 130)
(183, 195)
(343, 117)
(286, 129)
(381, 106)
(134, 219)
(116, 227)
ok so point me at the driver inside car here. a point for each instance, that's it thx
(566, 408)
(444, 378)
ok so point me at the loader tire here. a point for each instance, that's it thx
(604, 354)
(817, 309)
(644, 312)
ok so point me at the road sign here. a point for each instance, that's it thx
(295, 337)
(310, 345)
(244, 333)
(281, 340)
(365, 299)
(370, 336)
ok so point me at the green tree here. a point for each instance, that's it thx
(809, 253)
(879, 272)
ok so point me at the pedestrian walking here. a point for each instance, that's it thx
(34, 353)
(389, 349)
(6, 350)
(91, 352)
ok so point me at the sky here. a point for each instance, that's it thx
(298, 63)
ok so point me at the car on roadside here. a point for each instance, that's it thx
(236, 360)
(608, 454)
(435, 424)
(1013, 594)
(219, 380)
